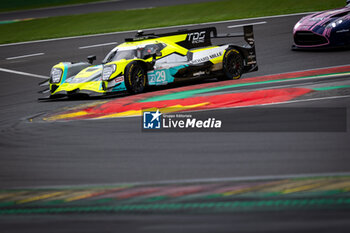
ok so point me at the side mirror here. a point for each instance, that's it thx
(157, 54)
(91, 59)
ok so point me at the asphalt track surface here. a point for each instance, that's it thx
(92, 7)
(112, 151)
(116, 151)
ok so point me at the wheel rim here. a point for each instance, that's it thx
(138, 80)
(234, 65)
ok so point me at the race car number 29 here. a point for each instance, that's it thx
(157, 77)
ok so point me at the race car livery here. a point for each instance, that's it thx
(327, 29)
(152, 60)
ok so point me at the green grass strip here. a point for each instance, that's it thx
(92, 23)
(330, 88)
(14, 5)
(8, 21)
(221, 206)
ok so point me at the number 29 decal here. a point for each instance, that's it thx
(157, 77)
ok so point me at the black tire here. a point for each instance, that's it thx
(135, 77)
(233, 65)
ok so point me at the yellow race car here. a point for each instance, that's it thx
(151, 59)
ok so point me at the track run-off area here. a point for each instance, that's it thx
(211, 96)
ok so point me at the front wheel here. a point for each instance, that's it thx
(135, 78)
(233, 65)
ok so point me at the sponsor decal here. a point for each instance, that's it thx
(251, 41)
(200, 60)
(119, 79)
(198, 73)
(207, 58)
(212, 56)
(156, 77)
(342, 31)
(196, 37)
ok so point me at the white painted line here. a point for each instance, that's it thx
(141, 8)
(23, 73)
(247, 24)
(158, 28)
(97, 45)
(199, 180)
(24, 56)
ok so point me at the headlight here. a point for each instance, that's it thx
(108, 71)
(297, 25)
(335, 24)
(56, 75)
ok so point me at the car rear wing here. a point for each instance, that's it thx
(248, 51)
(200, 37)
(248, 34)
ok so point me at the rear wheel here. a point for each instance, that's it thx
(135, 77)
(233, 65)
